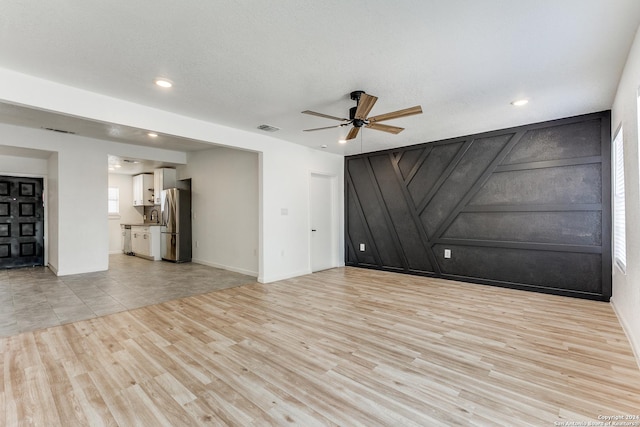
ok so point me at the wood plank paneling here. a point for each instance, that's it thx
(347, 346)
(527, 207)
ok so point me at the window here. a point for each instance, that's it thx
(114, 201)
(619, 222)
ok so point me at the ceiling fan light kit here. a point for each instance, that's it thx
(359, 116)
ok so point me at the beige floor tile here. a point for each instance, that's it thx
(34, 298)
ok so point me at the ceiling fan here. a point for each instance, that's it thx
(358, 116)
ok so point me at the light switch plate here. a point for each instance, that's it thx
(362, 247)
(447, 253)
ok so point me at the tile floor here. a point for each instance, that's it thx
(34, 298)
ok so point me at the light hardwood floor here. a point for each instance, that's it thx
(342, 347)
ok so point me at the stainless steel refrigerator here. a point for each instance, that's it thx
(175, 234)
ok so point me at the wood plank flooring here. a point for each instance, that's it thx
(346, 346)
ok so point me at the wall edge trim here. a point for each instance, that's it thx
(635, 345)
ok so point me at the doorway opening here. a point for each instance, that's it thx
(322, 221)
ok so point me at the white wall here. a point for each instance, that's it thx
(18, 166)
(52, 223)
(626, 287)
(77, 193)
(82, 203)
(224, 188)
(128, 213)
(286, 185)
(284, 168)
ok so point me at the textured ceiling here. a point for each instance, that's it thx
(245, 63)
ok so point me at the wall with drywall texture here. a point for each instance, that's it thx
(626, 285)
(225, 200)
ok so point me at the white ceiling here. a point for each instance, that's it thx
(245, 63)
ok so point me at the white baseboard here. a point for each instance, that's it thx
(53, 269)
(226, 267)
(633, 341)
(269, 279)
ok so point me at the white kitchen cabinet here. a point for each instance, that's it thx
(143, 189)
(145, 241)
(140, 242)
(163, 178)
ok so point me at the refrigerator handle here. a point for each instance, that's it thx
(165, 211)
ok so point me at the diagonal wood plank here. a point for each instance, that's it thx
(363, 220)
(422, 232)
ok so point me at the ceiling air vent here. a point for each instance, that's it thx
(268, 128)
(60, 131)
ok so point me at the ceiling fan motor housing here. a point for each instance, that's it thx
(355, 95)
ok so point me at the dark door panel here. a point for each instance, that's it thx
(21, 222)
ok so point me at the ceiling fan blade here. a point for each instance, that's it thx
(385, 128)
(365, 104)
(397, 114)
(326, 116)
(352, 133)
(328, 127)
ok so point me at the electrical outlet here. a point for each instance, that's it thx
(362, 247)
(447, 253)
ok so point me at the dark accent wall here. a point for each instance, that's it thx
(526, 207)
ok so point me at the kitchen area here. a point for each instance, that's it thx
(155, 222)
(224, 193)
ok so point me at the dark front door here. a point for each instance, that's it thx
(21, 222)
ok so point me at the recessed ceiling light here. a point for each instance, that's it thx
(111, 169)
(117, 166)
(323, 146)
(152, 134)
(520, 102)
(162, 82)
(343, 141)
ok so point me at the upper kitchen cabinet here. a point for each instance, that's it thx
(163, 178)
(143, 189)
